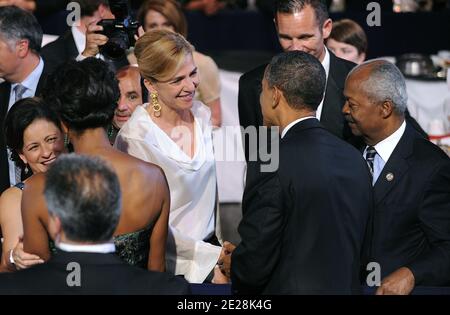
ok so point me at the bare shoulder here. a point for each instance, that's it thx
(33, 195)
(10, 199)
(141, 172)
(10, 195)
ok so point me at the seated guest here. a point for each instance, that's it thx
(411, 182)
(130, 97)
(302, 228)
(348, 41)
(167, 14)
(82, 40)
(84, 95)
(83, 195)
(34, 136)
(174, 132)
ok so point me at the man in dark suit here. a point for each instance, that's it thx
(84, 202)
(302, 228)
(82, 40)
(301, 25)
(410, 236)
(23, 70)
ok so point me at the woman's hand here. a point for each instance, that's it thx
(24, 260)
(222, 271)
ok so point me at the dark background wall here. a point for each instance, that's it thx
(249, 38)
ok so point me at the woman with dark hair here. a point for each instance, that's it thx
(167, 14)
(84, 95)
(34, 136)
(348, 41)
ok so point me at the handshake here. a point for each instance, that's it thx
(222, 271)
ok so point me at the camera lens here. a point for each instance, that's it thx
(116, 46)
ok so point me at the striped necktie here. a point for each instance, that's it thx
(370, 156)
(19, 90)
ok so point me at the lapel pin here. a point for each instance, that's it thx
(389, 177)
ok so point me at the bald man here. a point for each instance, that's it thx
(411, 182)
(130, 97)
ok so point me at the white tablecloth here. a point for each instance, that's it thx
(428, 102)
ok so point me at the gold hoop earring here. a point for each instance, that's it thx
(155, 104)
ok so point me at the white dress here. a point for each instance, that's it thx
(192, 184)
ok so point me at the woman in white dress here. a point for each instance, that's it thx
(174, 132)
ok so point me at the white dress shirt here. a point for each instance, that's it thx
(31, 82)
(384, 150)
(80, 42)
(104, 248)
(326, 66)
(192, 183)
(292, 124)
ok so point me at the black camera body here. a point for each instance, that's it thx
(120, 31)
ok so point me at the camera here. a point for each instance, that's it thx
(120, 31)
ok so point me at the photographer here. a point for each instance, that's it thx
(83, 39)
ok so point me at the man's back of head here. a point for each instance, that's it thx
(83, 198)
(299, 76)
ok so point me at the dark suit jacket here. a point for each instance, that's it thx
(64, 49)
(100, 274)
(303, 226)
(5, 91)
(411, 224)
(332, 119)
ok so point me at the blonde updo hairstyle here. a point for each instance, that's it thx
(160, 54)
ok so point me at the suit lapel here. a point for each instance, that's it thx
(5, 91)
(395, 168)
(71, 47)
(332, 117)
(258, 110)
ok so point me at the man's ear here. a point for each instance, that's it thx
(22, 48)
(386, 109)
(54, 226)
(276, 96)
(326, 28)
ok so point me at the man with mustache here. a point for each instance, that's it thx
(410, 237)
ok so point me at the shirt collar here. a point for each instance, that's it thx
(292, 124)
(385, 147)
(326, 62)
(104, 248)
(79, 38)
(31, 82)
